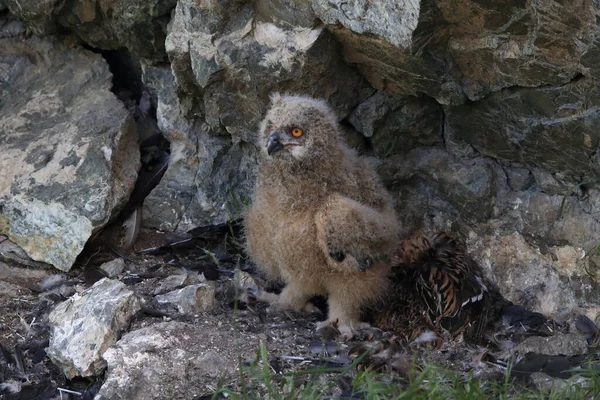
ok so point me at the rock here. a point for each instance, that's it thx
(169, 360)
(284, 13)
(70, 157)
(547, 127)
(173, 282)
(245, 281)
(397, 124)
(206, 173)
(137, 25)
(26, 277)
(452, 49)
(568, 344)
(466, 184)
(395, 70)
(393, 21)
(191, 299)
(87, 324)
(518, 178)
(12, 254)
(113, 267)
(503, 44)
(224, 65)
(546, 383)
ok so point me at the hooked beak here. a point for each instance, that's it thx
(273, 143)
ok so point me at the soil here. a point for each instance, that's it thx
(237, 329)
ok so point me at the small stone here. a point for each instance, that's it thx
(191, 299)
(519, 179)
(174, 282)
(85, 325)
(546, 383)
(568, 344)
(114, 267)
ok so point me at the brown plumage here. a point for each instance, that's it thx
(320, 219)
(437, 288)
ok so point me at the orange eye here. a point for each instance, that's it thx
(297, 132)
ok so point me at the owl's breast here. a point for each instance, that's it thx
(282, 241)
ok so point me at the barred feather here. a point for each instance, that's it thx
(436, 286)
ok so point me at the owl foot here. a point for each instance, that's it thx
(346, 330)
(280, 305)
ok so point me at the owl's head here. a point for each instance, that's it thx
(298, 128)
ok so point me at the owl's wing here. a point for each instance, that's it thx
(354, 235)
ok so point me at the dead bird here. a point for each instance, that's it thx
(438, 292)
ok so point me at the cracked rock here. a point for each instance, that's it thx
(171, 360)
(69, 151)
(191, 299)
(87, 324)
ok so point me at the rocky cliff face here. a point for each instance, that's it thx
(484, 116)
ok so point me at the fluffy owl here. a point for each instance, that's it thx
(320, 220)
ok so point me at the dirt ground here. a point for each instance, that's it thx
(234, 330)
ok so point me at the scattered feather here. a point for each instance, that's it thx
(132, 227)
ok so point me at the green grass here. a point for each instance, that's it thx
(430, 382)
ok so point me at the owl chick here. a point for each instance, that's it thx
(320, 219)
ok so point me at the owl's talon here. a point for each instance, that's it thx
(346, 331)
(337, 255)
(311, 308)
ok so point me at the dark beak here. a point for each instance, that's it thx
(273, 143)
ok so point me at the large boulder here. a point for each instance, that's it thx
(225, 62)
(70, 156)
(457, 49)
(138, 25)
(554, 127)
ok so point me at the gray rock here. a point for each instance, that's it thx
(169, 360)
(87, 324)
(547, 127)
(466, 184)
(518, 178)
(395, 70)
(224, 65)
(191, 299)
(70, 157)
(397, 124)
(137, 25)
(173, 282)
(504, 44)
(546, 383)
(113, 267)
(394, 21)
(568, 344)
(461, 49)
(27, 277)
(290, 13)
(206, 172)
(12, 254)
